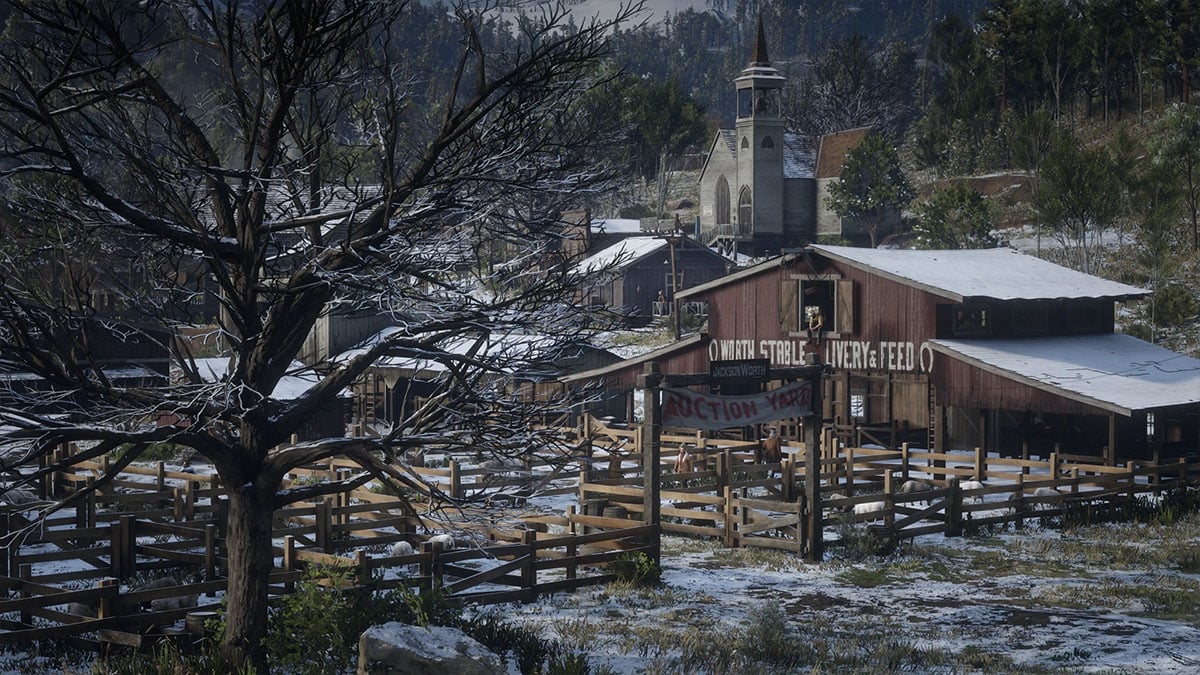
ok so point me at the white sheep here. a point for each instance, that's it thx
(401, 548)
(972, 485)
(869, 507)
(179, 602)
(445, 540)
(1046, 492)
(910, 486)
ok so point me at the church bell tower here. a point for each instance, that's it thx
(760, 144)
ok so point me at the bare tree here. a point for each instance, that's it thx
(282, 158)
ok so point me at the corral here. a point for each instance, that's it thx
(155, 522)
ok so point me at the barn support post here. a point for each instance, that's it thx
(1110, 451)
(954, 508)
(651, 449)
(814, 545)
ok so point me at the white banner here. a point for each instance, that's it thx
(686, 408)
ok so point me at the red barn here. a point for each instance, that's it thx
(989, 348)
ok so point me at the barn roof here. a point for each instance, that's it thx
(996, 273)
(298, 380)
(1111, 371)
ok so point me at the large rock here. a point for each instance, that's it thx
(400, 649)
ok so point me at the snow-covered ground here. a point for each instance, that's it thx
(1006, 600)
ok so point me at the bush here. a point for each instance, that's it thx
(636, 569)
(1174, 305)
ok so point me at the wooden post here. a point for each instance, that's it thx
(1131, 467)
(730, 513)
(289, 560)
(814, 545)
(529, 570)
(849, 471)
(107, 607)
(571, 520)
(26, 572)
(1074, 480)
(210, 552)
(160, 479)
(787, 478)
(1019, 508)
(1054, 468)
(324, 523)
(651, 463)
(980, 465)
(904, 460)
(954, 509)
(129, 542)
(177, 504)
(116, 552)
(455, 480)
(572, 559)
(1110, 451)
(189, 500)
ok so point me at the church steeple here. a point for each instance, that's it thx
(758, 53)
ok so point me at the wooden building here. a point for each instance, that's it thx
(525, 365)
(980, 348)
(639, 276)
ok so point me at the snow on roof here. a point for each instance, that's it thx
(799, 156)
(292, 386)
(1112, 371)
(730, 138)
(619, 254)
(617, 225)
(509, 352)
(995, 273)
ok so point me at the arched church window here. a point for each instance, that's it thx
(721, 201)
(745, 143)
(745, 211)
(767, 142)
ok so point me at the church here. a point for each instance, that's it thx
(762, 188)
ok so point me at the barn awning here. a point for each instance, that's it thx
(1114, 372)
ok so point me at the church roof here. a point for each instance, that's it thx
(799, 156)
(730, 138)
(831, 156)
(758, 54)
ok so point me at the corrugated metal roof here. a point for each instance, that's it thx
(1111, 371)
(995, 273)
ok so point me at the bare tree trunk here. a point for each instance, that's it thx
(250, 561)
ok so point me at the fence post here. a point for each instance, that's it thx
(189, 500)
(814, 542)
(651, 447)
(107, 607)
(954, 509)
(160, 478)
(529, 570)
(1132, 468)
(1019, 508)
(116, 554)
(455, 479)
(730, 539)
(787, 477)
(289, 560)
(210, 552)
(849, 471)
(324, 516)
(438, 566)
(129, 542)
(427, 554)
(1054, 468)
(904, 460)
(572, 559)
(980, 465)
(26, 573)
(571, 519)
(1074, 480)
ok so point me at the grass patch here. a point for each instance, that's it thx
(771, 559)
(868, 578)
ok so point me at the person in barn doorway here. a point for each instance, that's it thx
(815, 324)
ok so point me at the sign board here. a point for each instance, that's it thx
(753, 370)
(686, 408)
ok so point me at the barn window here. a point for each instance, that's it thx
(721, 201)
(745, 143)
(767, 142)
(972, 320)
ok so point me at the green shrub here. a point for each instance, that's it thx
(636, 569)
(1174, 305)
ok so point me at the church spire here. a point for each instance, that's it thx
(758, 54)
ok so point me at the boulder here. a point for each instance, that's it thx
(400, 649)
